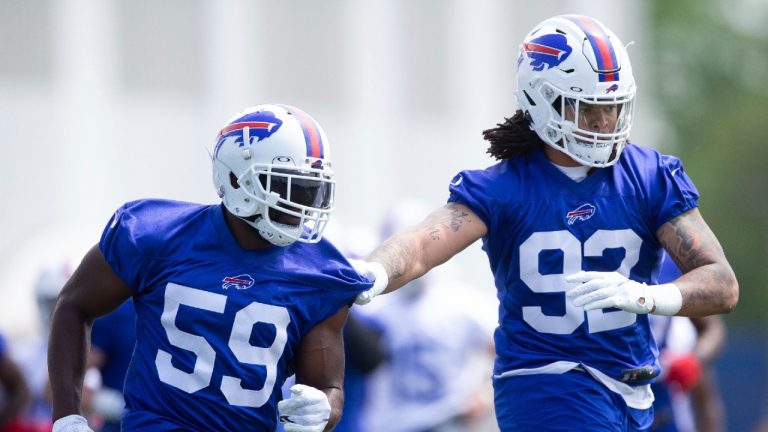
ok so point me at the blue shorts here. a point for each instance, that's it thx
(563, 402)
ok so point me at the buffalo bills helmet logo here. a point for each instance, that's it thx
(582, 213)
(251, 127)
(612, 88)
(243, 281)
(547, 51)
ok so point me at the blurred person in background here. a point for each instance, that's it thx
(113, 338)
(32, 354)
(231, 298)
(14, 393)
(363, 350)
(438, 335)
(364, 353)
(688, 398)
(573, 219)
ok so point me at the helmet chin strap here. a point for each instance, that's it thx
(268, 232)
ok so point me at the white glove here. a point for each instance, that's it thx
(600, 290)
(307, 410)
(71, 423)
(375, 273)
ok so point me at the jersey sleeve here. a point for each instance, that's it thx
(322, 280)
(675, 193)
(120, 247)
(466, 188)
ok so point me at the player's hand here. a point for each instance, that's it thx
(375, 273)
(600, 290)
(71, 423)
(307, 410)
(684, 371)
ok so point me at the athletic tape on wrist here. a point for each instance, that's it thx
(667, 299)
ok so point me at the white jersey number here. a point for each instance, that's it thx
(245, 319)
(571, 247)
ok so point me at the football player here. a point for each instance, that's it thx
(573, 220)
(230, 299)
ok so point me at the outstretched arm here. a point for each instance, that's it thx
(708, 284)
(93, 290)
(411, 253)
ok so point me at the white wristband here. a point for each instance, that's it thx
(667, 299)
(72, 422)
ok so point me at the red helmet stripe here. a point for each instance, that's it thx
(242, 125)
(534, 47)
(312, 136)
(601, 46)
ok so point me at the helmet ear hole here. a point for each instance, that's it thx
(233, 181)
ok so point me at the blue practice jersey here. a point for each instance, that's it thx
(543, 226)
(217, 325)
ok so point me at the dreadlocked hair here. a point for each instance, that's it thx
(511, 138)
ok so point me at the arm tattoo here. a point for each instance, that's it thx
(693, 246)
(450, 217)
(394, 254)
(400, 251)
(691, 243)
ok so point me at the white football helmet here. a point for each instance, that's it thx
(571, 71)
(275, 157)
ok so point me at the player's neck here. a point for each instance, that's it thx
(245, 235)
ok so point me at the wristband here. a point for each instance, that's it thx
(667, 299)
(69, 421)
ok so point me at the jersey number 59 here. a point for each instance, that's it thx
(200, 377)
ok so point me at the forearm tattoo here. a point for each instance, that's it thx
(401, 250)
(394, 254)
(692, 246)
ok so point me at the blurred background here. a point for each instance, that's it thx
(105, 101)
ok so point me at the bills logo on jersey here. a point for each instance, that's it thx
(243, 281)
(547, 51)
(581, 213)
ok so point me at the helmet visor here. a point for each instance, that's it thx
(596, 116)
(305, 189)
(592, 130)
